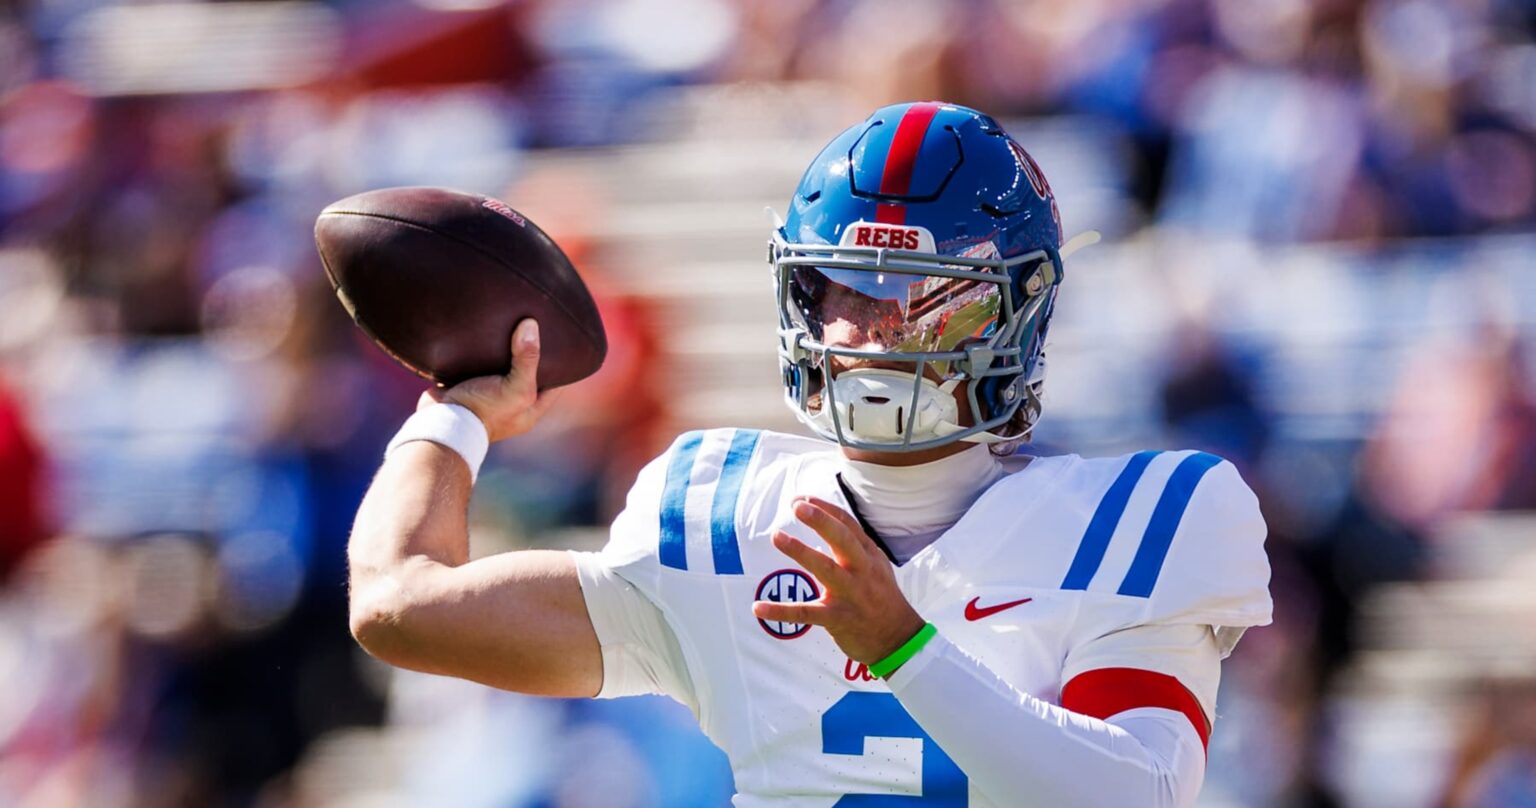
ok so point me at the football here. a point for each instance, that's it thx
(439, 278)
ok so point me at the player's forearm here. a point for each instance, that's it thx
(515, 620)
(417, 506)
(1016, 747)
(412, 520)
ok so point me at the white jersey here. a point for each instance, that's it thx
(1057, 554)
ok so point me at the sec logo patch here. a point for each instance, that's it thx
(786, 586)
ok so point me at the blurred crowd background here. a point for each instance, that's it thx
(1318, 261)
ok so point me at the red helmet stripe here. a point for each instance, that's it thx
(886, 213)
(900, 161)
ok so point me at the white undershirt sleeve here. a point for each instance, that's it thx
(1018, 749)
(641, 654)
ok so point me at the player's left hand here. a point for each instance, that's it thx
(860, 605)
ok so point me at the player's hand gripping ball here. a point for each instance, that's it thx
(860, 606)
(508, 405)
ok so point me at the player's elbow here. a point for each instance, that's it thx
(376, 623)
(380, 617)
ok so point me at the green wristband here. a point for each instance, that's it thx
(909, 649)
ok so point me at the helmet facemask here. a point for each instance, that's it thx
(897, 332)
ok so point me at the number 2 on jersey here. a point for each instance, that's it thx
(861, 715)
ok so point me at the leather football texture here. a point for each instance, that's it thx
(439, 278)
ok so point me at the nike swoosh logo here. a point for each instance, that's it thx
(973, 612)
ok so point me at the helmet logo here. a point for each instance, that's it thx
(1037, 180)
(1032, 171)
(892, 236)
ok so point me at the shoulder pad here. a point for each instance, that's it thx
(1186, 541)
(683, 511)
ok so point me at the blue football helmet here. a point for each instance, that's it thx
(921, 253)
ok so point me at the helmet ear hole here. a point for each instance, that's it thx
(997, 394)
(986, 390)
(991, 392)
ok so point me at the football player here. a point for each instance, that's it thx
(899, 611)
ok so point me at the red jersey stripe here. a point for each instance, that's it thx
(1107, 692)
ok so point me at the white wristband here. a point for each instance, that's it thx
(450, 426)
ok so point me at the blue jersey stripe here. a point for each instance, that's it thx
(722, 514)
(1148, 563)
(673, 550)
(1090, 551)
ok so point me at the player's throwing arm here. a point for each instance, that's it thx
(515, 620)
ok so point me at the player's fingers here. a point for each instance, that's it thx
(855, 529)
(838, 513)
(847, 544)
(805, 613)
(523, 378)
(820, 565)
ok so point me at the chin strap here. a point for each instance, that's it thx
(982, 437)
